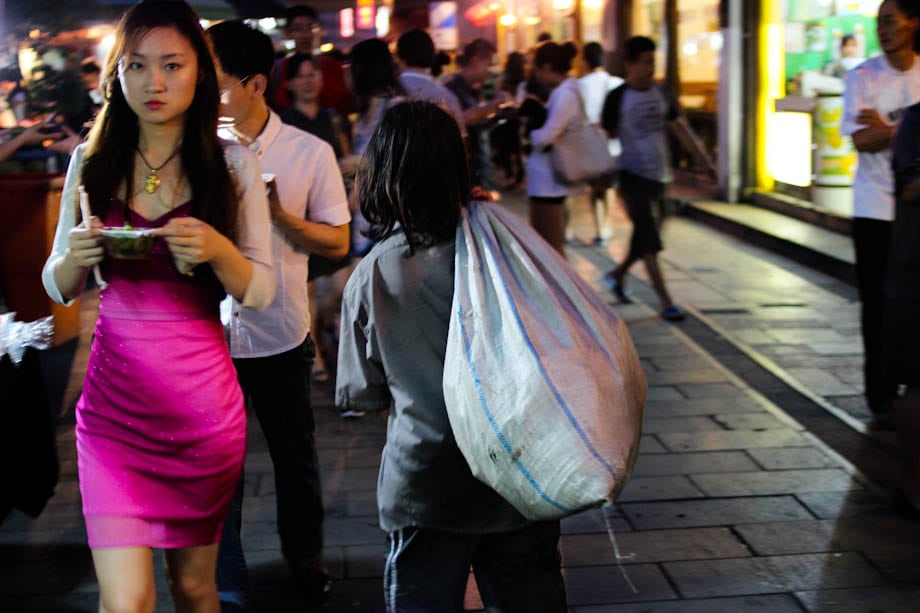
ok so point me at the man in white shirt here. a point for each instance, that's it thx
(594, 87)
(875, 96)
(272, 350)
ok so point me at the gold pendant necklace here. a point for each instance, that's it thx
(152, 182)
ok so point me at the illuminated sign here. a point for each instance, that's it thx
(367, 14)
(347, 23)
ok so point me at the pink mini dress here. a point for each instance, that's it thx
(161, 426)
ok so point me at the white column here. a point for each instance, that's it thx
(731, 103)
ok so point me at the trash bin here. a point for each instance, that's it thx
(30, 205)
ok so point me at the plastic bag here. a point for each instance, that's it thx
(543, 386)
(16, 336)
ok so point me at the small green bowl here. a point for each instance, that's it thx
(128, 243)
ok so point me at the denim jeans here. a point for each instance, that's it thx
(278, 388)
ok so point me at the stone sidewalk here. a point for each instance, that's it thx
(733, 506)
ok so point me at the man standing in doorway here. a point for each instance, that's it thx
(876, 94)
(272, 349)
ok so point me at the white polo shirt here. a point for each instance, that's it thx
(310, 187)
(875, 84)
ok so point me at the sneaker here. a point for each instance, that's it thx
(615, 288)
(673, 313)
(599, 241)
(352, 414)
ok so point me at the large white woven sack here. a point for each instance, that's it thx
(543, 386)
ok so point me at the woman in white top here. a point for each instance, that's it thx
(551, 65)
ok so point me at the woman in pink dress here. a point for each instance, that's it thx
(160, 425)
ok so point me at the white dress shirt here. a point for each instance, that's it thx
(309, 187)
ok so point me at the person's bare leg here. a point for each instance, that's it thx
(549, 222)
(319, 363)
(126, 582)
(191, 573)
(654, 273)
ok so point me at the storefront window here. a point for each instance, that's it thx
(699, 45)
(821, 40)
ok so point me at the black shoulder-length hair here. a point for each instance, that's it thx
(110, 153)
(414, 175)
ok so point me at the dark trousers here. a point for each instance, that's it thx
(426, 570)
(871, 239)
(644, 201)
(278, 388)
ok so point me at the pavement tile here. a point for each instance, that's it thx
(854, 503)
(659, 488)
(649, 444)
(773, 603)
(652, 546)
(671, 377)
(880, 599)
(866, 534)
(902, 567)
(712, 512)
(693, 463)
(842, 347)
(808, 336)
(606, 585)
(666, 362)
(705, 406)
(660, 393)
(718, 441)
(364, 561)
(750, 421)
(775, 482)
(708, 578)
(709, 390)
(592, 521)
(353, 531)
(794, 457)
(820, 381)
(652, 425)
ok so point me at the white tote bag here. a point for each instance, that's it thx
(543, 386)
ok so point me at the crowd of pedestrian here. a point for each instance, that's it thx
(257, 173)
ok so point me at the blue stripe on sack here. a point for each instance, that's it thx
(549, 383)
(495, 428)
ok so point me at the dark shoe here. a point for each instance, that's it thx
(599, 241)
(314, 583)
(614, 286)
(673, 313)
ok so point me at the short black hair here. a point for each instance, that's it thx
(846, 39)
(558, 57)
(477, 48)
(242, 50)
(542, 37)
(293, 63)
(299, 10)
(636, 46)
(593, 54)
(414, 175)
(416, 49)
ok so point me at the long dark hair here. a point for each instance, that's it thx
(114, 137)
(414, 174)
